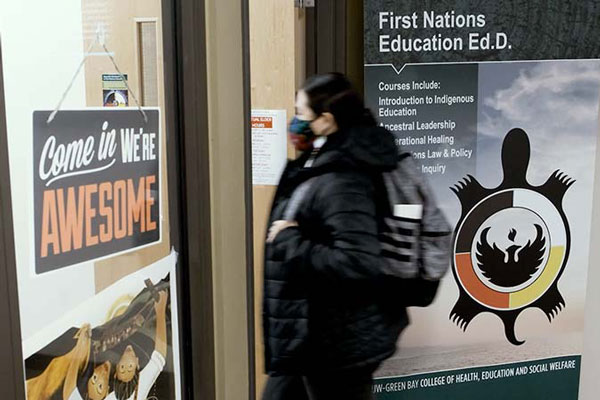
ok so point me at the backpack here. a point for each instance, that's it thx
(415, 236)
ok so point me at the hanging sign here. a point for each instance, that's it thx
(96, 184)
(498, 104)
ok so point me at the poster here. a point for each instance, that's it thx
(498, 102)
(114, 90)
(120, 342)
(96, 185)
(269, 146)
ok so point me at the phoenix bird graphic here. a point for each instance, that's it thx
(513, 266)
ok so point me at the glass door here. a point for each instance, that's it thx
(88, 132)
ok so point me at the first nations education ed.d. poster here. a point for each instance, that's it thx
(498, 102)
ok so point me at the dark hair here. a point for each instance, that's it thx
(334, 93)
(124, 390)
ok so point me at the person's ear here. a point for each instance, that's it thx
(329, 118)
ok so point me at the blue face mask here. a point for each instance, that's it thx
(300, 133)
(301, 127)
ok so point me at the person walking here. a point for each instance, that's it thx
(328, 323)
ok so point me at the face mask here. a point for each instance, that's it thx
(301, 135)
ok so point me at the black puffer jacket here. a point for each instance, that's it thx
(324, 308)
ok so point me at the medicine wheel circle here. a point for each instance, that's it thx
(518, 211)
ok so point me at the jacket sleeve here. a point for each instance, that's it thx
(345, 208)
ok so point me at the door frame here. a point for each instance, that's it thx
(334, 39)
(186, 92)
(189, 181)
(249, 201)
(12, 381)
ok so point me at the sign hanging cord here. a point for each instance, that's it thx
(81, 64)
(64, 95)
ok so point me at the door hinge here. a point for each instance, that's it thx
(304, 3)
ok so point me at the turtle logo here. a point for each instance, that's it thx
(511, 243)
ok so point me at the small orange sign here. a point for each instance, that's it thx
(262, 122)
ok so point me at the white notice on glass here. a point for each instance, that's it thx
(269, 146)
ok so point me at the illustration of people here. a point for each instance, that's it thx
(98, 384)
(62, 370)
(129, 383)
